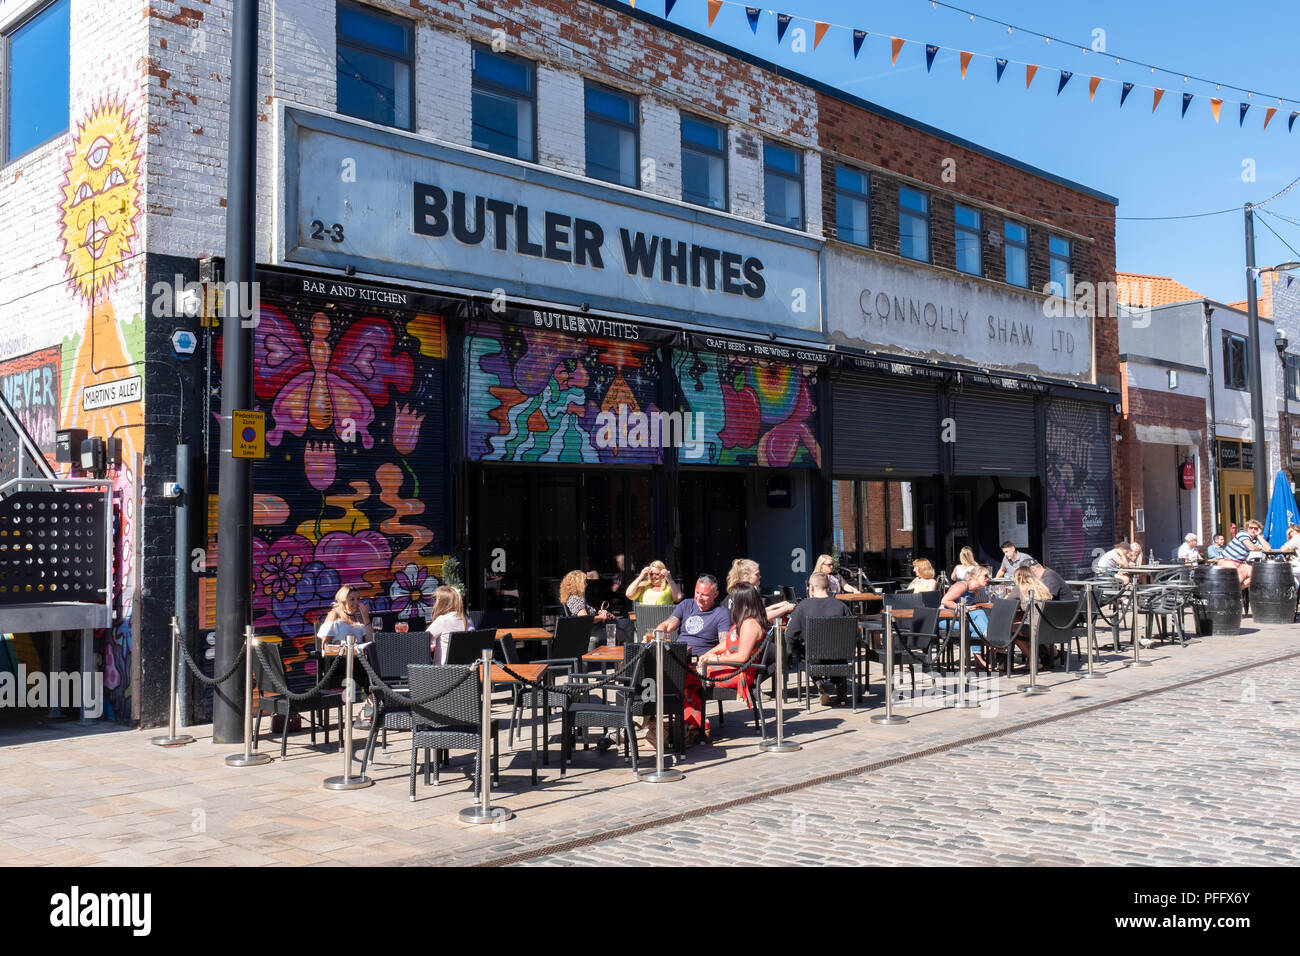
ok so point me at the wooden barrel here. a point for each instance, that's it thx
(1218, 605)
(1272, 592)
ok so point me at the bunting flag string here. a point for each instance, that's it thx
(821, 28)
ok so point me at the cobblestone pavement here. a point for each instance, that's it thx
(1156, 775)
(1206, 775)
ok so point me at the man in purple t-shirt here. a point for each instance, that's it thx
(703, 622)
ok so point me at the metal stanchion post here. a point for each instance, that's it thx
(890, 717)
(1033, 688)
(661, 775)
(248, 758)
(1092, 636)
(779, 746)
(963, 703)
(1137, 652)
(172, 740)
(347, 781)
(483, 811)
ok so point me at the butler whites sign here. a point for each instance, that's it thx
(876, 304)
(394, 205)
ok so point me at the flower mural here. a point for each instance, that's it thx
(411, 594)
(320, 464)
(406, 429)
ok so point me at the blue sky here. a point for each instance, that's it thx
(1155, 164)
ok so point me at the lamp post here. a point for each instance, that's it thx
(1256, 388)
(1284, 426)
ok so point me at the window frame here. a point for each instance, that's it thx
(721, 153)
(854, 196)
(799, 178)
(634, 127)
(492, 86)
(7, 85)
(911, 213)
(1053, 258)
(1291, 371)
(977, 231)
(364, 47)
(1231, 338)
(1009, 243)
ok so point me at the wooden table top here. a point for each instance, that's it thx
(858, 597)
(905, 613)
(527, 633)
(605, 654)
(526, 671)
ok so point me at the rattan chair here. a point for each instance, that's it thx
(269, 675)
(764, 666)
(391, 654)
(651, 617)
(830, 646)
(452, 722)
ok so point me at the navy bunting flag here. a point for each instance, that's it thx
(1123, 95)
(668, 7)
(752, 13)
(1291, 121)
(1002, 65)
(1245, 107)
(930, 51)
(1187, 101)
(1065, 78)
(782, 24)
(858, 37)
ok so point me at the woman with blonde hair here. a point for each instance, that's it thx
(973, 589)
(654, 585)
(1031, 590)
(348, 617)
(573, 595)
(966, 561)
(924, 579)
(745, 571)
(448, 619)
(835, 584)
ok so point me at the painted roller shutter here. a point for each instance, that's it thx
(1079, 490)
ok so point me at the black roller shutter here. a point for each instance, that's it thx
(997, 434)
(885, 424)
(1079, 488)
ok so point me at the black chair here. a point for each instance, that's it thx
(390, 655)
(466, 647)
(583, 711)
(763, 666)
(651, 617)
(903, 599)
(268, 673)
(1060, 622)
(572, 640)
(830, 647)
(452, 722)
(915, 642)
(1165, 603)
(932, 599)
(482, 620)
(1002, 631)
(787, 592)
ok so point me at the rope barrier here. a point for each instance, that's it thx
(203, 678)
(278, 685)
(579, 690)
(377, 686)
(741, 668)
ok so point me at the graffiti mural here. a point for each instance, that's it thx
(31, 384)
(749, 412)
(536, 395)
(354, 486)
(1080, 513)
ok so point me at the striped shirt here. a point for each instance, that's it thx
(1238, 548)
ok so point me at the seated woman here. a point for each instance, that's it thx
(923, 579)
(654, 585)
(348, 617)
(448, 618)
(748, 627)
(836, 585)
(1113, 562)
(1292, 549)
(745, 571)
(1031, 589)
(573, 595)
(966, 562)
(973, 589)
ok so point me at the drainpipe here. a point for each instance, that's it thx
(1211, 450)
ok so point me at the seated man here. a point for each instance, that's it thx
(1188, 552)
(1237, 553)
(1011, 560)
(1053, 582)
(703, 622)
(819, 604)
(1215, 551)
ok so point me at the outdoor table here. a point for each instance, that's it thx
(528, 634)
(605, 655)
(532, 672)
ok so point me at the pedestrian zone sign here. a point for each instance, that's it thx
(248, 434)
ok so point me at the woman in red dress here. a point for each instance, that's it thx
(748, 626)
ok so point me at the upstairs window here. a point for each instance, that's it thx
(783, 185)
(1292, 366)
(967, 240)
(504, 105)
(704, 163)
(36, 106)
(913, 224)
(852, 206)
(1236, 364)
(375, 58)
(1058, 260)
(1015, 238)
(612, 126)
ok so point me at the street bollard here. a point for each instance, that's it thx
(963, 702)
(778, 746)
(347, 781)
(1092, 637)
(248, 758)
(483, 811)
(1033, 688)
(660, 775)
(172, 740)
(1137, 644)
(890, 717)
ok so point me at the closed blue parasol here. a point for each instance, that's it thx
(1282, 511)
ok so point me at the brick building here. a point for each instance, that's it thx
(491, 235)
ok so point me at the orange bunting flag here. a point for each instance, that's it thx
(965, 62)
(819, 31)
(1156, 99)
(714, 7)
(1093, 83)
(898, 46)
(1030, 70)
(1215, 103)
(1269, 115)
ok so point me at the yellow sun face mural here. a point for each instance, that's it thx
(100, 202)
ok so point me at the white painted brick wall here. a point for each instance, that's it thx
(661, 141)
(812, 191)
(561, 120)
(443, 80)
(745, 174)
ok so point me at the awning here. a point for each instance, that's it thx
(1163, 435)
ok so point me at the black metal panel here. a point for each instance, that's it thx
(1079, 486)
(13, 448)
(885, 424)
(52, 547)
(997, 434)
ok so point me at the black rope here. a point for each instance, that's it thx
(203, 678)
(280, 687)
(577, 689)
(397, 698)
(741, 668)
